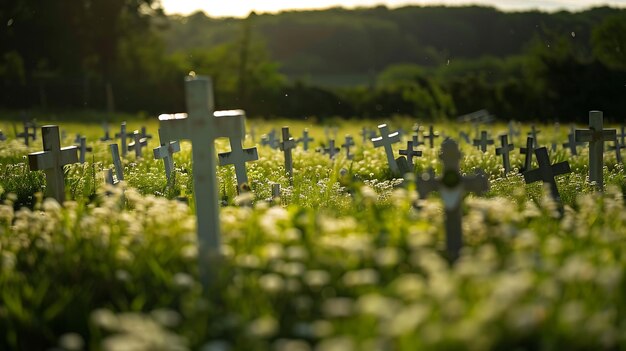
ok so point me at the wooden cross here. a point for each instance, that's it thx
(117, 162)
(106, 136)
(533, 133)
(546, 172)
(238, 156)
(51, 160)
(482, 143)
(452, 186)
(528, 151)
(349, 143)
(122, 136)
(166, 153)
(201, 125)
(596, 135)
(385, 140)
(305, 140)
(331, 150)
(275, 193)
(77, 139)
(137, 144)
(83, 149)
(431, 136)
(504, 150)
(410, 152)
(286, 145)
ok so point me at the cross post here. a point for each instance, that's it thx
(596, 135)
(482, 143)
(106, 136)
(166, 153)
(122, 136)
(137, 144)
(331, 150)
(51, 160)
(83, 149)
(504, 150)
(286, 145)
(238, 156)
(410, 152)
(385, 140)
(546, 172)
(533, 133)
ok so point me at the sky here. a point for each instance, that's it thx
(241, 8)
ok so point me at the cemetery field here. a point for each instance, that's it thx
(346, 257)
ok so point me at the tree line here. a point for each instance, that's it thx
(426, 62)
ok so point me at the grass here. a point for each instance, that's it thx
(350, 260)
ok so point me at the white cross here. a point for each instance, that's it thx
(410, 152)
(238, 156)
(166, 153)
(51, 160)
(106, 136)
(331, 150)
(201, 125)
(596, 136)
(385, 140)
(482, 143)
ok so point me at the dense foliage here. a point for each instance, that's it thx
(347, 260)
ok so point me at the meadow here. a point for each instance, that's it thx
(347, 259)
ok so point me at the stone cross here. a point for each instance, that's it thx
(305, 139)
(410, 152)
(51, 160)
(504, 150)
(77, 139)
(83, 149)
(482, 143)
(106, 136)
(144, 133)
(122, 136)
(166, 153)
(452, 186)
(275, 193)
(238, 156)
(528, 151)
(596, 135)
(137, 144)
(555, 136)
(108, 176)
(201, 125)
(117, 162)
(331, 150)
(622, 136)
(385, 140)
(533, 133)
(349, 143)
(546, 172)
(431, 136)
(416, 141)
(286, 145)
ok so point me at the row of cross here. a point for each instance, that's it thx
(201, 125)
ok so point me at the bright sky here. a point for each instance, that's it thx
(241, 8)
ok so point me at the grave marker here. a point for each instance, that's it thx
(533, 133)
(546, 172)
(482, 143)
(122, 136)
(201, 125)
(117, 162)
(617, 147)
(364, 134)
(528, 151)
(137, 144)
(106, 136)
(51, 160)
(348, 143)
(83, 149)
(305, 139)
(286, 145)
(571, 143)
(410, 152)
(331, 150)
(144, 133)
(166, 153)
(385, 140)
(431, 136)
(452, 186)
(596, 135)
(504, 150)
(238, 156)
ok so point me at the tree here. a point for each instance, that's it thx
(609, 41)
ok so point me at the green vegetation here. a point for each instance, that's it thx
(348, 261)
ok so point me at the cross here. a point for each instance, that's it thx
(465, 137)
(138, 143)
(286, 145)
(431, 136)
(166, 153)
(83, 149)
(364, 134)
(452, 186)
(270, 139)
(546, 172)
(201, 125)
(528, 151)
(482, 143)
(571, 143)
(144, 133)
(51, 160)
(238, 156)
(622, 136)
(106, 136)
(305, 140)
(385, 140)
(513, 131)
(331, 150)
(416, 141)
(349, 142)
(504, 150)
(117, 162)
(618, 153)
(533, 133)
(410, 152)
(26, 133)
(596, 136)
(122, 136)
